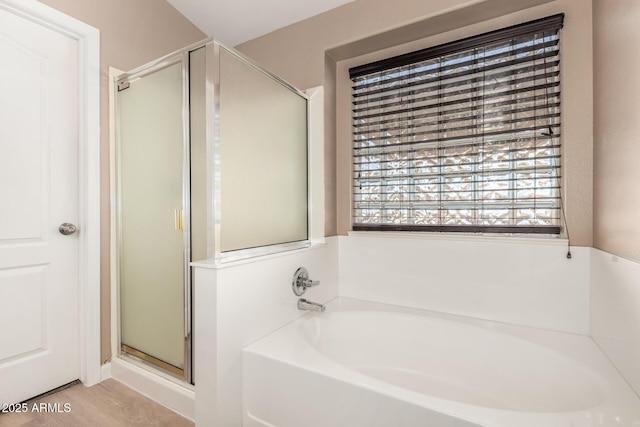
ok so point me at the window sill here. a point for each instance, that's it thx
(518, 239)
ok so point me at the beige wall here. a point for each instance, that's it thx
(319, 51)
(616, 127)
(132, 33)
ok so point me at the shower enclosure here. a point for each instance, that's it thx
(211, 163)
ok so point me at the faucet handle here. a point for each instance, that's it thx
(307, 283)
(301, 281)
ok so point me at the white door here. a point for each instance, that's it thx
(39, 314)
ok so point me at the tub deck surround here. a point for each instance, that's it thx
(516, 280)
(370, 364)
(615, 312)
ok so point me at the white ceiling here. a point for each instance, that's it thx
(235, 21)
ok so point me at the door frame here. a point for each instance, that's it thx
(88, 39)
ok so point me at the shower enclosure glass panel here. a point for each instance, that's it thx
(152, 221)
(263, 158)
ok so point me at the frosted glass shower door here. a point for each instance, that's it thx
(152, 235)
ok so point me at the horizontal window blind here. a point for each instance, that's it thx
(461, 137)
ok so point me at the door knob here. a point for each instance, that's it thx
(67, 228)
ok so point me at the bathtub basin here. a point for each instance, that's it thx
(365, 364)
(455, 361)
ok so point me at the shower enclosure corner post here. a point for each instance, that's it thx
(186, 207)
(116, 220)
(213, 147)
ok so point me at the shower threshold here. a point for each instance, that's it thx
(152, 360)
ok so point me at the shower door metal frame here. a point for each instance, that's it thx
(181, 57)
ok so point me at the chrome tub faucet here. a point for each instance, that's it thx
(299, 285)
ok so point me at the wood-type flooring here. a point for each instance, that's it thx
(107, 404)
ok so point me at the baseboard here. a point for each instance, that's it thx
(105, 371)
(180, 398)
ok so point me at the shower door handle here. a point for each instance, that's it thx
(178, 219)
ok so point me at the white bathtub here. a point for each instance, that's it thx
(364, 364)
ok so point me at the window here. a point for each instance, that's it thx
(461, 137)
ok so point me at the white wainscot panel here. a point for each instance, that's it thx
(527, 282)
(615, 312)
(21, 311)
